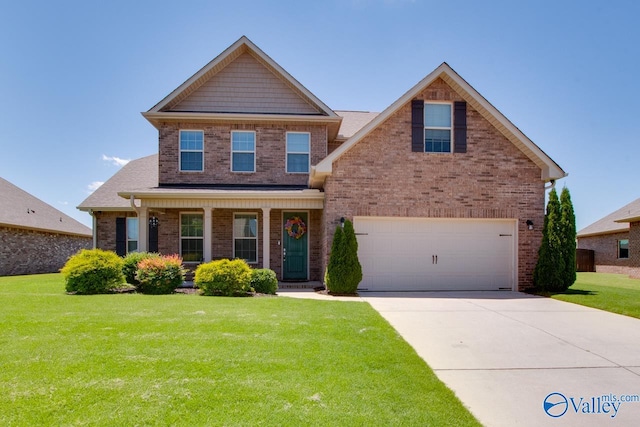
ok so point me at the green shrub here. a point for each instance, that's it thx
(130, 267)
(93, 271)
(223, 277)
(264, 281)
(160, 275)
(344, 271)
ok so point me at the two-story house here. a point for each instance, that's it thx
(443, 190)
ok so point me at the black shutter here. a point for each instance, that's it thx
(153, 238)
(459, 127)
(121, 236)
(417, 125)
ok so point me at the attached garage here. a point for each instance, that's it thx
(429, 254)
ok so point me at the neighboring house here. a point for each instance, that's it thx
(440, 185)
(35, 237)
(615, 241)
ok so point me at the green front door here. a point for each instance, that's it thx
(295, 255)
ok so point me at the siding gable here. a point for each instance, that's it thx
(246, 86)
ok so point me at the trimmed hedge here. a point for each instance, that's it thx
(160, 275)
(223, 277)
(264, 281)
(93, 271)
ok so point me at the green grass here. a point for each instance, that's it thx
(188, 360)
(611, 292)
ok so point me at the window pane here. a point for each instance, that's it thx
(191, 139)
(298, 142)
(297, 163)
(243, 141)
(191, 250)
(191, 225)
(132, 228)
(437, 115)
(246, 249)
(623, 248)
(132, 246)
(245, 226)
(191, 161)
(243, 162)
(437, 141)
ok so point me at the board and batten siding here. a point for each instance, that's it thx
(245, 86)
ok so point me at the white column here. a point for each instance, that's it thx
(207, 233)
(143, 229)
(266, 231)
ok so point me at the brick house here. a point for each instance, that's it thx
(445, 193)
(34, 236)
(615, 240)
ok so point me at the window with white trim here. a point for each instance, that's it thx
(623, 248)
(437, 127)
(298, 148)
(191, 151)
(245, 237)
(132, 234)
(243, 151)
(191, 237)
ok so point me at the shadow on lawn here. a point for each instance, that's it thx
(576, 292)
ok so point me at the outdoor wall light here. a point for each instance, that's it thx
(530, 224)
(153, 222)
(342, 222)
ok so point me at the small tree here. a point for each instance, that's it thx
(568, 235)
(344, 271)
(549, 271)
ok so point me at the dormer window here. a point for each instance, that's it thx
(191, 151)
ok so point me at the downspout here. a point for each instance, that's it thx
(552, 186)
(133, 205)
(94, 229)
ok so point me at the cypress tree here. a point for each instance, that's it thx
(344, 271)
(352, 263)
(333, 274)
(549, 271)
(568, 234)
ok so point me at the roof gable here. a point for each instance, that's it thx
(549, 169)
(243, 79)
(22, 210)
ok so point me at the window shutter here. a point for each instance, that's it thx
(417, 125)
(153, 238)
(121, 236)
(459, 127)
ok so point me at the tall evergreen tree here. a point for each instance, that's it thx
(568, 234)
(335, 268)
(353, 263)
(549, 271)
(344, 271)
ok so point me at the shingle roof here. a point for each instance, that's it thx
(137, 174)
(22, 210)
(353, 121)
(608, 224)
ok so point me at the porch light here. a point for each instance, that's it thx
(153, 222)
(342, 222)
(530, 224)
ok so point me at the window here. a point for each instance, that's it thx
(623, 248)
(243, 151)
(245, 237)
(191, 237)
(437, 128)
(132, 234)
(298, 152)
(191, 150)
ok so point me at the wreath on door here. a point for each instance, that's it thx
(295, 227)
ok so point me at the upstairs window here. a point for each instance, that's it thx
(243, 151)
(298, 148)
(437, 128)
(191, 151)
(623, 248)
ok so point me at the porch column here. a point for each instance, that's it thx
(143, 229)
(207, 234)
(266, 231)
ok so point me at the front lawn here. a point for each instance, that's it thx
(189, 360)
(611, 292)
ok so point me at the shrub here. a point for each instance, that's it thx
(160, 275)
(130, 267)
(344, 271)
(548, 274)
(93, 271)
(223, 277)
(264, 281)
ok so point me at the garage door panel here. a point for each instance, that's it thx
(400, 253)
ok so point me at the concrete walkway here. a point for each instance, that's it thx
(505, 353)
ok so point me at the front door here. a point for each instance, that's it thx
(295, 255)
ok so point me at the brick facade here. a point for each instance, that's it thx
(270, 154)
(381, 176)
(33, 252)
(605, 248)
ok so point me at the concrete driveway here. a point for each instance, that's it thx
(506, 354)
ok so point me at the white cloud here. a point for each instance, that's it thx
(94, 186)
(63, 203)
(116, 161)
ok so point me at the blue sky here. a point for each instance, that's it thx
(75, 75)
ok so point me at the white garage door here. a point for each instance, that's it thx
(410, 254)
